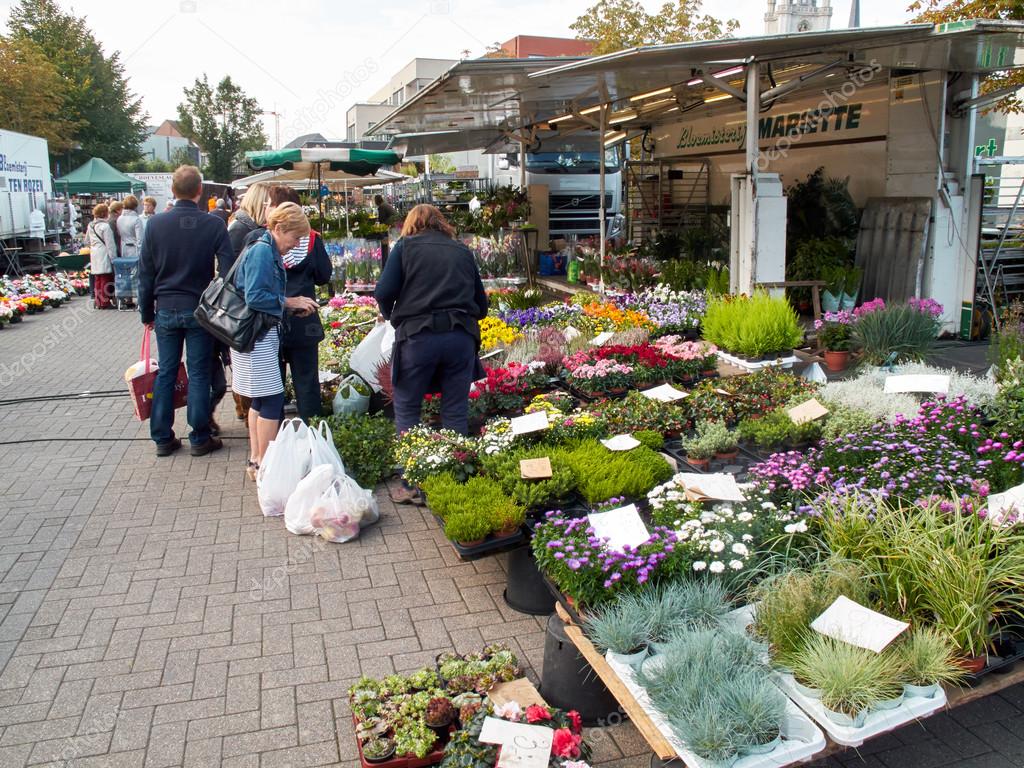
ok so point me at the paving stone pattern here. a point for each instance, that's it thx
(151, 617)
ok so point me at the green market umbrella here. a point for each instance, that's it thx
(97, 176)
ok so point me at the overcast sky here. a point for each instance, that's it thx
(310, 60)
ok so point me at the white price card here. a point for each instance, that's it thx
(720, 486)
(622, 527)
(621, 443)
(328, 376)
(1001, 506)
(666, 393)
(522, 745)
(917, 382)
(531, 422)
(601, 339)
(571, 333)
(854, 624)
(812, 410)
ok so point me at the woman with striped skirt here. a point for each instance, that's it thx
(257, 374)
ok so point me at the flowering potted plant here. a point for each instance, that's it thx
(602, 376)
(835, 334)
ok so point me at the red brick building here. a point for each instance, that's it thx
(528, 46)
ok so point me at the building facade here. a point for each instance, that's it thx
(165, 140)
(786, 17)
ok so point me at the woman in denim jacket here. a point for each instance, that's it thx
(257, 374)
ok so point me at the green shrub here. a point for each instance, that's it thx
(467, 527)
(532, 494)
(650, 438)
(899, 330)
(603, 474)
(366, 445)
(753, 326)
(479, 498)
(777, 430)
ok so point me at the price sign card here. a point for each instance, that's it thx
(522, 745)
(917, 382)
(812, 410)
(571, 333)
(531, 422)
(622, 527)
(601, 339)
(621, 443)
(720, 486)
(535, 469)
(854, 624)
(666, 393)
(1001, 506)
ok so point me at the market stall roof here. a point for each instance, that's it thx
(651, 82)
(357, 162)
(304, 179)
(96, 176)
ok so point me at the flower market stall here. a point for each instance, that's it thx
(33, 294)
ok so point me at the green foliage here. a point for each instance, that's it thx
(844, 420)
(366, 445)
(532, 494)
(603, 474)
(650, 438)
(473, 509)
(95, 96)
(753, 327)
(638, 413)
(618, 24)
(466, 527)
(620, 628)
(819, 208)
(899, 329)
(1008, 342)
(927, 657)
(777, 430)
(32, 94)
(224, 121)
(851, 679)
(1008, 408)
(813, 257)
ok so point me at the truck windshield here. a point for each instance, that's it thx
(571, 162)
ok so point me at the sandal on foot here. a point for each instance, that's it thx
(403, 495)
(251, 469)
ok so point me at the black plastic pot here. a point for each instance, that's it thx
(570, 683)
(525, 590)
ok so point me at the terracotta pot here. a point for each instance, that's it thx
(504, 533)
(727, 456)
(474, 543)
(836, 361)
(973, 664)
(698, 463)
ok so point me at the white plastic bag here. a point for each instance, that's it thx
(286, 462)
(322, 449)
(304, 498)
(342, 510)
(348, 400)
(373, 350)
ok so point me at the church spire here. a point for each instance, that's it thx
(854, 14)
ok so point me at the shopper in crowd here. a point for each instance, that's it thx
(114, 214)
(168, 206)
(257, 374)
(307, 265)
(175, 267)
(386, 213)
(220, 211)
(250, 216)
(102, 250)
(130, 228)
(432, 294)
(148, 211)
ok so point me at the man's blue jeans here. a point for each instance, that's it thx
(176, 329)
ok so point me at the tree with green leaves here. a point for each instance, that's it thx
(32, 95)
(939, 11)
(224, 122)
(109, 119)
(617, 24)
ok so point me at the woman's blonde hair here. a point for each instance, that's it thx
(254, 202)
(100, 211)
(131, 202)
(289, 219)
(116, 206)
(423, 217)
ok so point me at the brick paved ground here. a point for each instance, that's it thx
(150, 616)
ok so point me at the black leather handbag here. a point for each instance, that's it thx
(223, 313)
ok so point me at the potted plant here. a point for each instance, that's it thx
(929, 660)
(759, 708)
(725, 442)
(699, 450)
(378, 750)
(440, 714)
(468, 529)
(852, 680)
(835, 335)
(508, 518)
(621, 631)
(707, 734)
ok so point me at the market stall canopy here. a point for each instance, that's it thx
(646, 84)
(305, 179)
(97, 176)
(356, 162)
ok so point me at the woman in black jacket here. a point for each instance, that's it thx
(306, 266)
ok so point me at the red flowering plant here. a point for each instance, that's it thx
(505, 389)
(568, 749)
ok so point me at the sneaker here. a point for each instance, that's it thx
(166, 449)
(211, 445)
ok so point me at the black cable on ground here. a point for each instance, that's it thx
(100, 440)
(79, 396)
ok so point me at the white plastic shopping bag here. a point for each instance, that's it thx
(286, 462)
(305, 497)
(342, 510)
(322, 449)
(373, 350)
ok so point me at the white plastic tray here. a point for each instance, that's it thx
(801, 738)
(739, 362)
(876, 723)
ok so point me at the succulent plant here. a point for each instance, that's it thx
(440, 712)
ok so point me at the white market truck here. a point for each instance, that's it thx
(25, 181)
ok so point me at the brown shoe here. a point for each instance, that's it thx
(403, 495)
(211, 445)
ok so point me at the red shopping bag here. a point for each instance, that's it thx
(142, 386)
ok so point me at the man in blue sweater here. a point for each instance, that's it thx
(176, 264)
